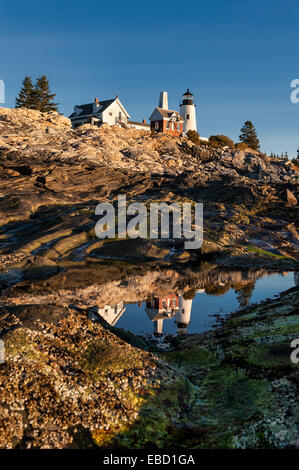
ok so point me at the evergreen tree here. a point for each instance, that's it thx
(297, 152)
(286, 155)
(26, 98)
(44, 99)
(249, 136)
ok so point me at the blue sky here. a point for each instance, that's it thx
(237, 57)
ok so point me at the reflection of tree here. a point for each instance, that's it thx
(216, 289)
(244, 293)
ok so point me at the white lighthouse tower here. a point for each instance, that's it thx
(188, 112)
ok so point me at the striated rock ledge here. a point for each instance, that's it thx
(52, 177)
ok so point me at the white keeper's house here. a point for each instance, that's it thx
(110, 111)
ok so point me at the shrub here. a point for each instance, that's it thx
(241, 146)
(190, 294)
(217, 290)
(220, 141)
(194, 137)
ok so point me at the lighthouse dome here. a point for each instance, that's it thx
(188, 97)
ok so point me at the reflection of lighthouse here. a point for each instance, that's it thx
(183, 316)
(160, 308)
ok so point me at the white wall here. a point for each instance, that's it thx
(111, 114)
(111, 313)
(138, 126)
(184, 313)
(189, 124)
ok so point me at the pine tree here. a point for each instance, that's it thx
(249, 136)
(44, 99)
(26, 98)
(298, 153)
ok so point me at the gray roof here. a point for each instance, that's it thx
(139, 123)
(167, 113)
(87, 108)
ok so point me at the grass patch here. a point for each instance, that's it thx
(197, 357)
(259, 251)
(101, 357)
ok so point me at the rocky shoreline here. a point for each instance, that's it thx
(70, 382)
(52, 177)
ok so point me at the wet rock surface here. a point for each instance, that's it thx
(246, 384)
(68, 381)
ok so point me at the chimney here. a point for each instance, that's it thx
(163, 100)
(95, 106)
(143, 121)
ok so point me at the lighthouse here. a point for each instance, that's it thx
(183, 316)
(188, 112)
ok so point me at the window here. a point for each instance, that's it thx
(156, 125)
(187, 116)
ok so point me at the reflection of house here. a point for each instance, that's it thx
(112, 313)
(183, 316)
(160, 308)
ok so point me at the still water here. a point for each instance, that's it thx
(194, 312)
